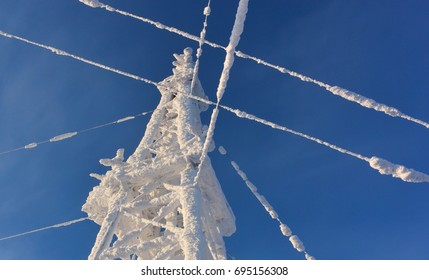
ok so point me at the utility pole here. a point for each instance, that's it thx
(148, 206)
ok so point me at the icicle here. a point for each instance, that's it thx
(62, 136)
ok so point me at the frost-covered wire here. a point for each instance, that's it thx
(206, 12)
(68, 135)
(383, 166)
(159, 25)
(285, 230)
(64, 53)
(65, 224)
(336, 90)
(234, 39)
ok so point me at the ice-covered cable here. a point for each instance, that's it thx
(234, 39)
(200, 46)
(64, 53)
(65, 224)
(341, 92)
(383, 170)
(157, 24)
(285, 230)
(383, 166)
(68, 135)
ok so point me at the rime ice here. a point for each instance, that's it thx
(148, 202)
(398, 171)
(222, 150)
(62, 136)
(92, 3)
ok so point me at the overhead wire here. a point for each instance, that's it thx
(65, 224)
(285, 230)
(68, 135)
(381, 165)
(335, 90)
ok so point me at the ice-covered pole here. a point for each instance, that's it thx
(193, 239)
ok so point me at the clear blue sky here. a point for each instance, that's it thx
(338, 205)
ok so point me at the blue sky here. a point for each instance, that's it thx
(339, 206)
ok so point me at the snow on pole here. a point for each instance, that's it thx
(105, 235)
(65, 224)
(63, 137)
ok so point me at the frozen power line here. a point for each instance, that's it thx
(285, 230)
(336, 90)
(64, 53)
(65, 224)
(234, 39)
(68, 135)
(206, 13)
(383, 166)
(387, 168)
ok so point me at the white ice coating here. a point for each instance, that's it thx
(148, 201)
(64, 53)
(207, 11)
(286, 231)
(65, 224)
(398, 171)
(346, 94)
(237, 30)
(222, 150)
(372, 104)
(160, 25)
(270, 210)
(242, 114)
(62, 136)
(297, 243)
(56, 138)
(125, 119)
(91, 3)
(237, 112)
(31, 146)
(234, 39)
